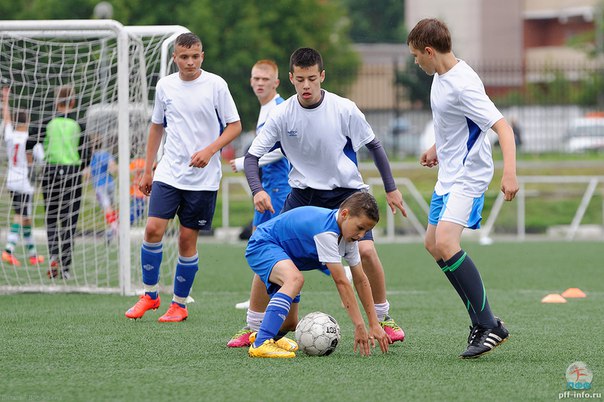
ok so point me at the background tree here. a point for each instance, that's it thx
(235, 34)
(416, 83)
(377, 21)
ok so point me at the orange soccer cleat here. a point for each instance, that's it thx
(174, 314)
(9, 258)
(36, 259)
(144, 303)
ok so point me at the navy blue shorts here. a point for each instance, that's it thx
(330, 199)
(195, 209)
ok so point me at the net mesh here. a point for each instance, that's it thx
(34, 65)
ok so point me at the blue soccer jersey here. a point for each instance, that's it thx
(99, 169)
(309, 236)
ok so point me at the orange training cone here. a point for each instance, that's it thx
(574, 293)
(553, 298)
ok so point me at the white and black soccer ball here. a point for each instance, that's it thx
(318, 334)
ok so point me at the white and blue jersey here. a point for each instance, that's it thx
(193, 113)
(320, 143)
(309, 236)
(462, 113)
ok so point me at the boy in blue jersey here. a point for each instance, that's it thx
(274, 172)
(321, 133)
(101, 170)
(309, 238)
(462, 114)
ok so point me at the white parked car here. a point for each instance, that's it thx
(585, 134)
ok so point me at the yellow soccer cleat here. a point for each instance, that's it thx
(284, 343)
(270, 350)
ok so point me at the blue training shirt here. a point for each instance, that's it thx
(310, 236)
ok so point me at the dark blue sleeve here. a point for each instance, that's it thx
(381, 162)
(252, 173)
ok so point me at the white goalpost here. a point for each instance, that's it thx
(113, 70)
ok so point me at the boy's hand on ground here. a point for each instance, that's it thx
(361, 341)
(378, 334)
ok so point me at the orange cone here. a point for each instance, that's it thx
(574, 293)
(553, 298)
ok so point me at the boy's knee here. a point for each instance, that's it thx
(430, 246)
(153, 232)
(367, 250)
(443, 248)
(297, 280)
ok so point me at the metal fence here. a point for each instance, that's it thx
(550, 105)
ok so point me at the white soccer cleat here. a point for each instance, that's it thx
(243, 305)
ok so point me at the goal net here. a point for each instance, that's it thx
(111, 71)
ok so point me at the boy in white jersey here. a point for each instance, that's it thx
(19, 151)
(264, 81)
(462, 114)
(320, 133)
(304, 239)
(193, 106)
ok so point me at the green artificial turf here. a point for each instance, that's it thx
(77, 347)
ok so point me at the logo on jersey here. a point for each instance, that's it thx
(292, 133)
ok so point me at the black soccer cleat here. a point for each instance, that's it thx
(472, 334)
(483, 340)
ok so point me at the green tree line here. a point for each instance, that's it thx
(236, 33)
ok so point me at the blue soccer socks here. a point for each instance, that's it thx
(151, 256)
(462, 269)
(276, 312)
(186, 268)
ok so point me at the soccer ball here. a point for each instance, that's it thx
(318, 334)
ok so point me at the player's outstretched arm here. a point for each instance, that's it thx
(393, 195)
(5, 107)
(267, 159)
(361, 338)
(363, 288)
(236, 164)
(509, 182)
